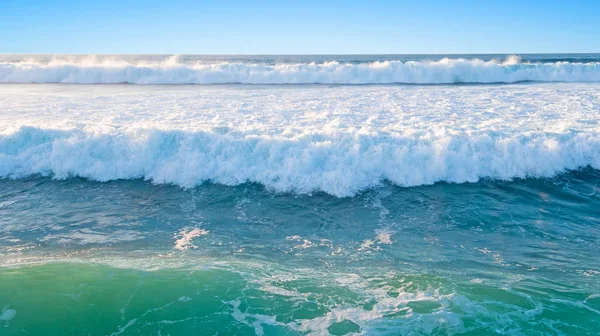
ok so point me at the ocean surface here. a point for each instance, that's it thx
(300, 195)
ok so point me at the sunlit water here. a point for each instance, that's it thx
(131, 257)
(299, 209)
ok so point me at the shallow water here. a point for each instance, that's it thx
(129, 257)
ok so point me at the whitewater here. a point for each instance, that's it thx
(300, 195)
(177, 70)
(338, 139)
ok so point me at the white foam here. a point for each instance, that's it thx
(339, 166)
(384, 236)
(336, 140)
(183, 239)
(92, 70)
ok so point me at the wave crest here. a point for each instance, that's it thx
(174, 71)
(341, 165)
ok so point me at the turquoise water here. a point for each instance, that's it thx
(83, 257)
(300, 195)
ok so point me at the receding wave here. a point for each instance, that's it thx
(174, 71)
(341, 165)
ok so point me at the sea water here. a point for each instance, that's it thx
(300, 195)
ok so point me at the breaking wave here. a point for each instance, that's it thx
(340, 165)
(174, 71)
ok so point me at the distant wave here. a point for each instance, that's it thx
(174, 71)
(339, 165)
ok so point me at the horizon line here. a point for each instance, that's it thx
(310, 54)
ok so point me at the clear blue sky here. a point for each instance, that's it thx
(305, 27)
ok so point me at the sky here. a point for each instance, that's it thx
(298, 27)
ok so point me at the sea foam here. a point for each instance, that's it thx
(174, 71)
(339, 140)
(341, 166)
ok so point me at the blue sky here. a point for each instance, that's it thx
(298, 27)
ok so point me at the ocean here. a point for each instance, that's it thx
(300, 195)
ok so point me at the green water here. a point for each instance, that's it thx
(93, 299)
(131, 258)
